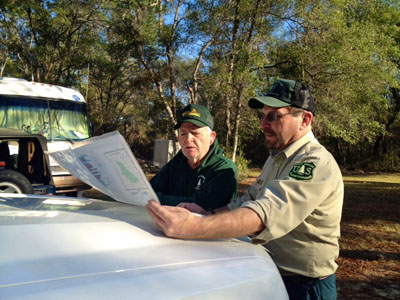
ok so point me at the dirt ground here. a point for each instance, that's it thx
(369, 261)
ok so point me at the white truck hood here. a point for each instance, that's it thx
(66, 248)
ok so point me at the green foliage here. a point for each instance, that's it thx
(48, 41)
(252, 139)
(343, 55)
(241, 162)
(140, 61)
(389, 162)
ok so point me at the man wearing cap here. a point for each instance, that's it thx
(293, 208)
(199, 173)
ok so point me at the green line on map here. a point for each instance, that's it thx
(132, 178)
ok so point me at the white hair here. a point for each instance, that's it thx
(209, 130)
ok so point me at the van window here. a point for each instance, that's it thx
(55, 119)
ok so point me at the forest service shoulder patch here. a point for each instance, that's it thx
(302, 171)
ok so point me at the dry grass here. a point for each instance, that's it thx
(369, 265)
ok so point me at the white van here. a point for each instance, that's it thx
(58, 113)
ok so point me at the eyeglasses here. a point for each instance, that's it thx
(273, 116)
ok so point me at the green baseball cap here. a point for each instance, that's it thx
(285, 92)
(197, 114)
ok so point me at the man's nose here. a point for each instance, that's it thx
(264, 122)
(189, 136)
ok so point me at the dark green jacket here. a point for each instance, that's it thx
(211, 185)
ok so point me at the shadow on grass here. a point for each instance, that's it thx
(369, 255)
(370, 289)
(371, 201)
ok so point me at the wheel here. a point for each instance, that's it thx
(14, 182)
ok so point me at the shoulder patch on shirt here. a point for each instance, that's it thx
(302, 171)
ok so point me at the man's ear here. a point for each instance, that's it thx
(307, 119)
(213, 136)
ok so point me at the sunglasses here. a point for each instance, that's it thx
(273, 116)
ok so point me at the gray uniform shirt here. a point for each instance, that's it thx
(299, 197)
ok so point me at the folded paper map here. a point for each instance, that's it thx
(107, 163)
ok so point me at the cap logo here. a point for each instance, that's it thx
(191, 113)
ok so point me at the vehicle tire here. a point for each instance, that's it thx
(14, 182)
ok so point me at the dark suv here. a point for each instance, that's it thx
(25, 169)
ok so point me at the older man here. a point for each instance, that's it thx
(293, 208)
(199, 173)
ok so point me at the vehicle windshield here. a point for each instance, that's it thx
(55, 119)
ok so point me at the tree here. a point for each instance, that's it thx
(139, 62)
(242, 27)
(48, 41)
(342, 50)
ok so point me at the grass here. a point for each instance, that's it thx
(373, 178)
(370, 244)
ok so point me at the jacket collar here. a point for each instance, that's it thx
(214, 149)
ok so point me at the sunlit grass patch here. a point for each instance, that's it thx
(386, 178)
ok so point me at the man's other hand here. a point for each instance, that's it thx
(193, 207)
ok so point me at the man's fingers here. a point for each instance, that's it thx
(154, 216)
(185, 205)
(153, 208)
(152, 203)
(173, 221)
(159, 210)
(193, 207)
